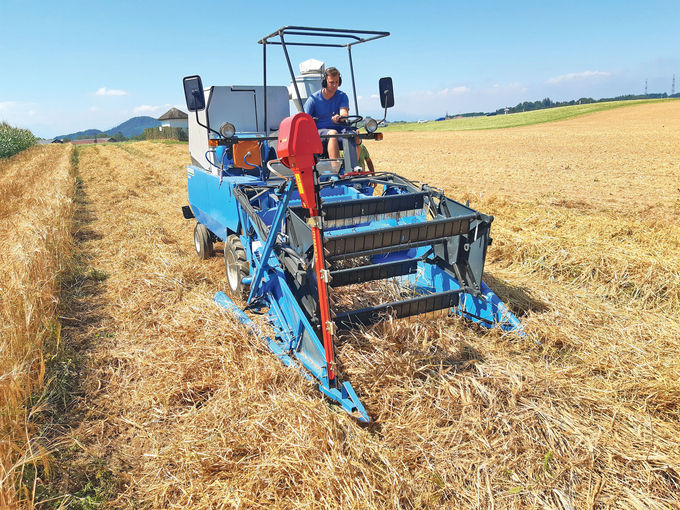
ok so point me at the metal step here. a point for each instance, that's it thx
(397, 238)
(373, 206)
(373, 272)
(398, 309)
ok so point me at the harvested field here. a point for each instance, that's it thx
(177, 406)
(623, 160)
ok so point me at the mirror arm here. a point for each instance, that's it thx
(207, 127)
(384, 117)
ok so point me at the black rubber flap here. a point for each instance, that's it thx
(398, 309)
(373, 272)
(368, 206)
(393, 238)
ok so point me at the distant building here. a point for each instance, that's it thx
(174, 118)
(90, 140)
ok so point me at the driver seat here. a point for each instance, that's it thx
(348, 152)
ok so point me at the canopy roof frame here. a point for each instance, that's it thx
(339, 38)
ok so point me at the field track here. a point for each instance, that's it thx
(177, 407)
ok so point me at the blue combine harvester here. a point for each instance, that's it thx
(297, 227)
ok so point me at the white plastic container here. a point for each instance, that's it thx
(308, 82)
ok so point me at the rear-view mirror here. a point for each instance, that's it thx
(386, 92)
(193, 93)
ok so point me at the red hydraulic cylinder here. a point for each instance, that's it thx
(298, 142)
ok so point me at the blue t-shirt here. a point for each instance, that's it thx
(324, 109)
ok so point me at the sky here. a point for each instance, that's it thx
(69, 65)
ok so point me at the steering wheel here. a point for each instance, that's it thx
(351, 120)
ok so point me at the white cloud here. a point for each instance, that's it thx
(504, 90)
(445, 92)
(509, 86)
(94, 108)
(374, 96)
(585, 75)
(18, 109)
(103, 91)
(145, 108)
(6, 105)
(454, 91)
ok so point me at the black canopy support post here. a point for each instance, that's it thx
(315, 45)
(292, 74)
(337, 37)
(326, 32)
(341, 35)
(264, 81)
(354, 86)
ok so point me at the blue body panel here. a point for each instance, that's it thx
(213, 203)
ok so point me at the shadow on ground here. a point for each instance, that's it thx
(518, 299)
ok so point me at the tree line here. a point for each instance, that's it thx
(528, 106)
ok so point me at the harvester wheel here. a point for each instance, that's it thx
(237, 266)
(202, 241)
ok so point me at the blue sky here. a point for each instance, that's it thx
(71, 65)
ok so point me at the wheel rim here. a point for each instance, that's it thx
(232, 272)
(197, 241)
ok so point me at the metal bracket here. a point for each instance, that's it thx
(326, 275)
(315, 222)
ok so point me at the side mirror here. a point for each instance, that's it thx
(386, 92)
(193, 93)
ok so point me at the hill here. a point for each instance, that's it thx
(89, 133)
(134, 126)
(131, 127)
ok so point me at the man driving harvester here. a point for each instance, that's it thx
(329, 105)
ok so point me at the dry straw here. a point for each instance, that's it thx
(180, 408)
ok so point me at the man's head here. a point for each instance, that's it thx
(332, 79)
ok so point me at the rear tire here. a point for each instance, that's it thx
(202, 241)
(237, 267)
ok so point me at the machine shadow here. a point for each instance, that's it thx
(519, 299)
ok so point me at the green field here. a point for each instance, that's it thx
(516, 119)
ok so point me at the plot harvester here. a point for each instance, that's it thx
(300, 229)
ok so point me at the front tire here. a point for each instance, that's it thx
(237, 267)
(202, 241)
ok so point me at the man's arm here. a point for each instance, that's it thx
(309, 106)
(369, 163)
(343, 110)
